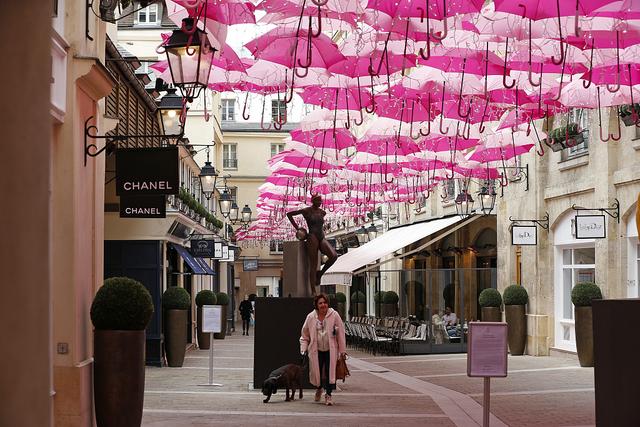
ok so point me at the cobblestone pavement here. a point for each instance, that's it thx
(412, 390)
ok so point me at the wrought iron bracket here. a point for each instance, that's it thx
(521, 172)
(542, 223)
(89, 7)
(613, 211)
(111, 141)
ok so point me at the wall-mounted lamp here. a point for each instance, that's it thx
(208, 177)
(464, 204)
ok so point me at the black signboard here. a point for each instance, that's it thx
(145, 171)
(250, 265)
(202, 248)
(143, 207)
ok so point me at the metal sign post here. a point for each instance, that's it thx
(211, 322)
(487, 357)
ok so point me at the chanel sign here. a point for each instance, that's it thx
(590, 227)
(146, 171)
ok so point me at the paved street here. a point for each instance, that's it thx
(413, 390)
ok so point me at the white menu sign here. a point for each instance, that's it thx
(526, 235)
(590, 227)
(487, 351)
(211, 318)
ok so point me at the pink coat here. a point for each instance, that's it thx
(309, 343)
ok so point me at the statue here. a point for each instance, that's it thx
(314, 216)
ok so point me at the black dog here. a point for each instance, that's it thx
(287, 376)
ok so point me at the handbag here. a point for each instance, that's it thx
(342, 371)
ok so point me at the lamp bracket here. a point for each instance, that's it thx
(110, 4)
(90, 131)
(520, 173)
(613, 211)
(542, 223)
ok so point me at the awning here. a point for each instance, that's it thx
(389, 242)
(205, 266)
(189, 259)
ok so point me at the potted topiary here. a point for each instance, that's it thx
(223, 300)
(377, 299)
(515, 299)
(565, 136)
(175, 302)
(120, 313)
(358, 300)
(490, 302)
(342, 300)
(204, 297)
(390, 306)
(581, 296)
(629, 113)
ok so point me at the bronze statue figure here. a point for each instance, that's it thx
(314, 216)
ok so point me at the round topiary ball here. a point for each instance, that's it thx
(175, 298)
(205, 297)
(583, 293)
(223, 299)
(490, 298)
(341, 297)
(358, 297)
(515, 295)
(121, 304)
(390, 297)
(378, 296)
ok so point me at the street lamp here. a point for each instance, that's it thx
(169, 113)
(208, 177)
(361, 233)
(246, 215)
(464, 204)
(225, 203)
(190, 56)
(233, 212)
(372, 232)
(487, 197)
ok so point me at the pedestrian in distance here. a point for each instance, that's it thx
(323, 339)
(246, 308)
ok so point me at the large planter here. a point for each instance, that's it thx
(359, 309)
(379, 309)
(204, 338)
(223, 324)
(517, 328)
(584, 335)
(389, 310)
(342, 310)
(491, 314)
(118, 377)
(175, 336)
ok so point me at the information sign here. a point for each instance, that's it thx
(211, 318)
(487, 350)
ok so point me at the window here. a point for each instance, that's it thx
(449, 191)
(578, 266)
(229, 156)
(275, 246)
(149, 15)
(580, 116)
(276, 148)
(228, 109)
(278, 111)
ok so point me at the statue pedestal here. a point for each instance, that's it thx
(295, 277)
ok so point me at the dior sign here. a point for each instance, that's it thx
(590, 227)
(525, 235)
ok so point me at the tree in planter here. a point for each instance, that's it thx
(629, 113)
(204, 297)
(564, 137)
(490, 302)
(515, 300)
(120, 312)
(341, 299)
(223, 300)
(358, 307)
(175, 302)
(390, 300)
(377, 299)
(581, 296)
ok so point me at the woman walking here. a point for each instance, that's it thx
(323, 338)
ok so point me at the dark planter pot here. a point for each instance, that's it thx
(584, 336)
(204, 338)
(118, 377)
(175, 336)
(379, 309)
(517, 328)
(342, 310)
(223, 325)
(629, 119)
(491, 314)
(359, 309)
(389, 310)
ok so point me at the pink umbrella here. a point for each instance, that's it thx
(336, 139)
(228, 12)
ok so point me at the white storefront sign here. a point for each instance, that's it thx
(526, 235)
(590, 227)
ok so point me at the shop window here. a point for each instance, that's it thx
(578, 266)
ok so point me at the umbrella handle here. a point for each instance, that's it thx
(585, 83)
(264, 100)
(319, 31)
(557, 97)
(289, 95)
(445, 31)
(534, 84)
(442, 131)
(320, 2)
(245, 113)
(619, 128)
(577, 29)
(373, 100)
(504, 70)
(562, 53)
(427, 47)
(616, 87)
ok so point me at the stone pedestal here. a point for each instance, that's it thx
(295, 279)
